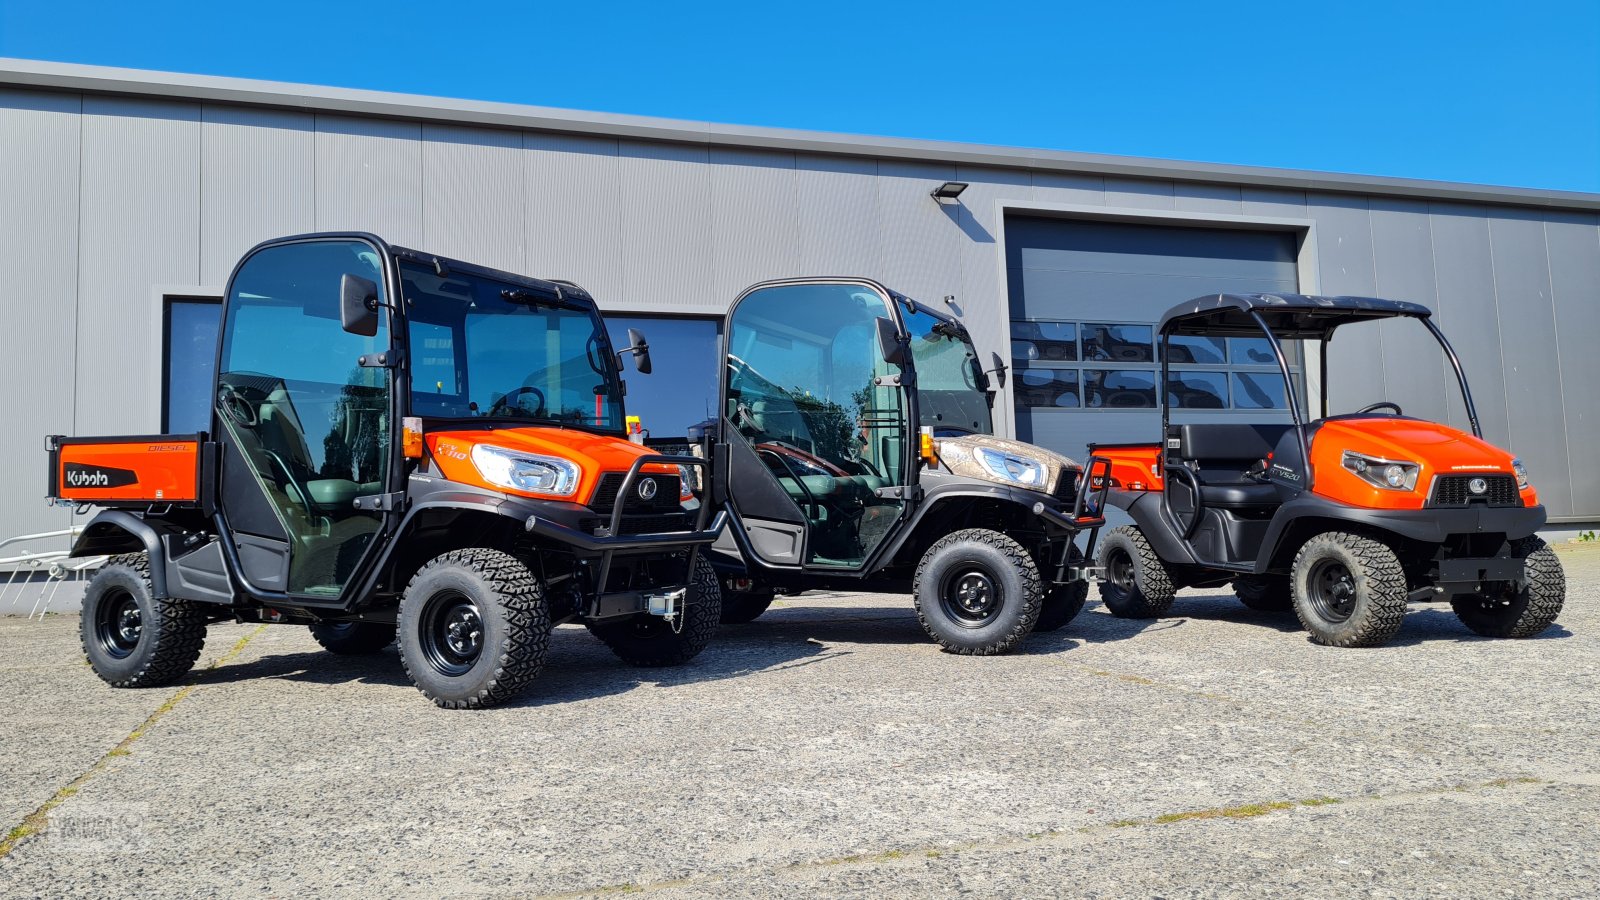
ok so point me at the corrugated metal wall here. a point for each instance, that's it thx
(102, 199)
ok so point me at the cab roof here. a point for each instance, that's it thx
(1289, 315)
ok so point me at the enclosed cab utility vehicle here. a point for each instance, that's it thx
(402, 447)
(857, 441)
(1344, 518)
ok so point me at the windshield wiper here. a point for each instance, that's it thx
(952, 330)
(536, 297)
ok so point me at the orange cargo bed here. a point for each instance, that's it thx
(137, 470)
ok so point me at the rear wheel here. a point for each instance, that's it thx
(740, 607)
(474, 628)
(978, 592)
(651, 642)
(1264, 593)
(1509, 610)
(1137, 583)
(353, 638)
(132, 639)
(1349, 590)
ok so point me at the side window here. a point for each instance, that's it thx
(189, 367)
(681, 394)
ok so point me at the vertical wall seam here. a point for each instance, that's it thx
(1499, 337)
(1372, 254)
(1438, 307)
(77, 273)
(1561, 385)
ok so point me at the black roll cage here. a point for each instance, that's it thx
(1308, 317)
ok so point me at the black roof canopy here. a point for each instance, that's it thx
(1289, 315)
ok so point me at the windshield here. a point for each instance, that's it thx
(950, 398)
(476, 353)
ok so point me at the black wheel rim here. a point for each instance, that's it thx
(1119, 569)
(970, 597)
(452, 633)
(119, 624)
(1332, 591)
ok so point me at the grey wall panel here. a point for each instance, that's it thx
(1402, 250)
(1344, 251)
(1528, 334)
(1056, 187)
(140, 227)
(369, 177)
(472, 197)
(921, 239)
(666, 228)
(1272, 202)
(755, 232)
(979, 300)
(1215, 198)
(574, 213)
(1140, 193)
(839, 213)
(1574, 243)
(39, 254)
(258, 181)
(1468, 314)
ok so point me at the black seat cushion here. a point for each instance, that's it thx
(1238, 494)
(1217, 441)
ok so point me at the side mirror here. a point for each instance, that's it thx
(999, 371)
(893, 349)
(358, 305)
(640, 348)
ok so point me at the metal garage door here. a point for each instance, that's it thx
(1085, 296)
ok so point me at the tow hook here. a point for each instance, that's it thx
(1086, 573)
(668, 605)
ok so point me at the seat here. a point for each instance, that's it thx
(1221, 454)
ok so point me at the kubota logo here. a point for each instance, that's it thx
(81, 476)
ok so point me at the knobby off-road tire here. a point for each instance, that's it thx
(977, 592)
(132, 639)
(1062, 602)
(1513, 612)
(1349, 590)
(1264, 593)
(649, 642)
(353, 638)
(474, 628)
(1137, 583)
(740, 607)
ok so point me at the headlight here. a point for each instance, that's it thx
(1389, 474)
(1522, 474)
(1010, 467)
(526, 471)
(688, 483)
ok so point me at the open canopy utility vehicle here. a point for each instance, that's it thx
(399, 442)
(1346, 518)
(857, 441)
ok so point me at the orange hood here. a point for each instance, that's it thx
(1438, 449)
(595, 454)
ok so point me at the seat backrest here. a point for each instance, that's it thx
(1228, 441)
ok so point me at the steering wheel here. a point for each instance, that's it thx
(505, 402)
(1377, 406)
(236, 407)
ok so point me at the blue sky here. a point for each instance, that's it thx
(1498, 93)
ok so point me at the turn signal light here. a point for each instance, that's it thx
(929, 453)
(411, 437)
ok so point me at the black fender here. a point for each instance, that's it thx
(1148, 513)
(114, 531)
(1424, 526)
(941, 491)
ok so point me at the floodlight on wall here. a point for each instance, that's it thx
(949, 192)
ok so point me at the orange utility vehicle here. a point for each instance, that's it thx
(401, 446)
(1390, 509)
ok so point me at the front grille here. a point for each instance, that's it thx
(663, 512)
(1454, 490)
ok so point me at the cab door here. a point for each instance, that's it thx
(815, 420)
(305, 428)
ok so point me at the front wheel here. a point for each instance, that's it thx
(651, 642)
(978, 592)
(741, 607)
(1349, 590)
(1509, 610)
(133, 639)
(474, 628)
